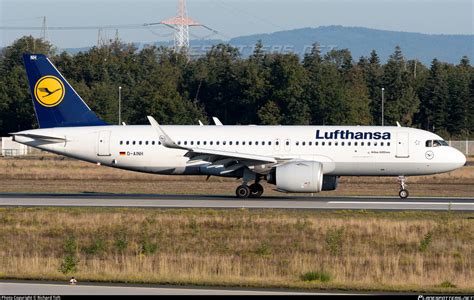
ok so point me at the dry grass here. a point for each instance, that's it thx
(397, 251)
(72, 176)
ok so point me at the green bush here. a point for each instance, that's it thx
(447, 284)
(263, 249)
(426, 241)
(334, 240)
(69, 264)
(98, 246)
(313, 276)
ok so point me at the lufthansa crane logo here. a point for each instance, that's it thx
(49, 91)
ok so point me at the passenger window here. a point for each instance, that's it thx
(250, 143)
(297, 143)
(381, 143)
(330, 144)
(287, 143)
(310, 143)
(323, 143)
(185, 142)
(204, 143)
(316, 143)
(388, 144)
(355, 143)
(263, 143)
(153, 143)
(133, 142)
(230, 143)
(256, 143)
(277, 143)
(146, 142)
(304, 143)
(217, 143)
(368, 143)
(121, 142)
(236, 143)
(336, 143)
(269, 143)
(211, 143)
(140, 142)
(349, 143)
(243, 143)
(159, 143)
(375, 143)
(128, 143)
(342, 143)
(362, 143)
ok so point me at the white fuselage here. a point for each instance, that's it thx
(403, 152)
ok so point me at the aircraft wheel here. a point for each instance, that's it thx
(403, 194)
(242, 191)
(256, 190)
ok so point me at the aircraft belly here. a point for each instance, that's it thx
(395, 168)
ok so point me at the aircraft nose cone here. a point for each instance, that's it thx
(459, 159)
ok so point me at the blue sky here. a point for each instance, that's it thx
(232, 18)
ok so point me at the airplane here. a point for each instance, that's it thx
(296, 159)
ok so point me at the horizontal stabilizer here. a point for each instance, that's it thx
(41, 137)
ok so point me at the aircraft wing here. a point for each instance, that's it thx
(232, 161)
(258, 159)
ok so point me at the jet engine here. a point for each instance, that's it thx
(299, 177)
(302, 177)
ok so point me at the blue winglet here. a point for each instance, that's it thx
(56, 103)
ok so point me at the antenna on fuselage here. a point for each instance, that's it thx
(217, 121)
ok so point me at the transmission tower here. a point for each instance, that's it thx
(102, 38)
(44, 30)
(181, 24)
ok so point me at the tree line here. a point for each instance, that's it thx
(265, 88)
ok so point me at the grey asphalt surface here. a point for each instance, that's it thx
(227, 202)
(58, 288)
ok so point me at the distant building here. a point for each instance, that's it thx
(11, 148)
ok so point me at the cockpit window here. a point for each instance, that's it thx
(443, 143)
(436, 143)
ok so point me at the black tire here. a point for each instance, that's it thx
(403, 194)
(256, 190)
(242, 191)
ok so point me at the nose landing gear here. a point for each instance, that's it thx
(403, 191)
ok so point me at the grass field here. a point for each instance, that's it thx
(393, 251)
(72, 176)
(382, 251)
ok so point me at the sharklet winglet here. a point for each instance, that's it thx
(164, 138)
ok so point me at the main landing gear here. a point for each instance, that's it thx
(255, 190)
(403, 191)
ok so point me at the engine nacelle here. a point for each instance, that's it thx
(330, 183)
(300, 177)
